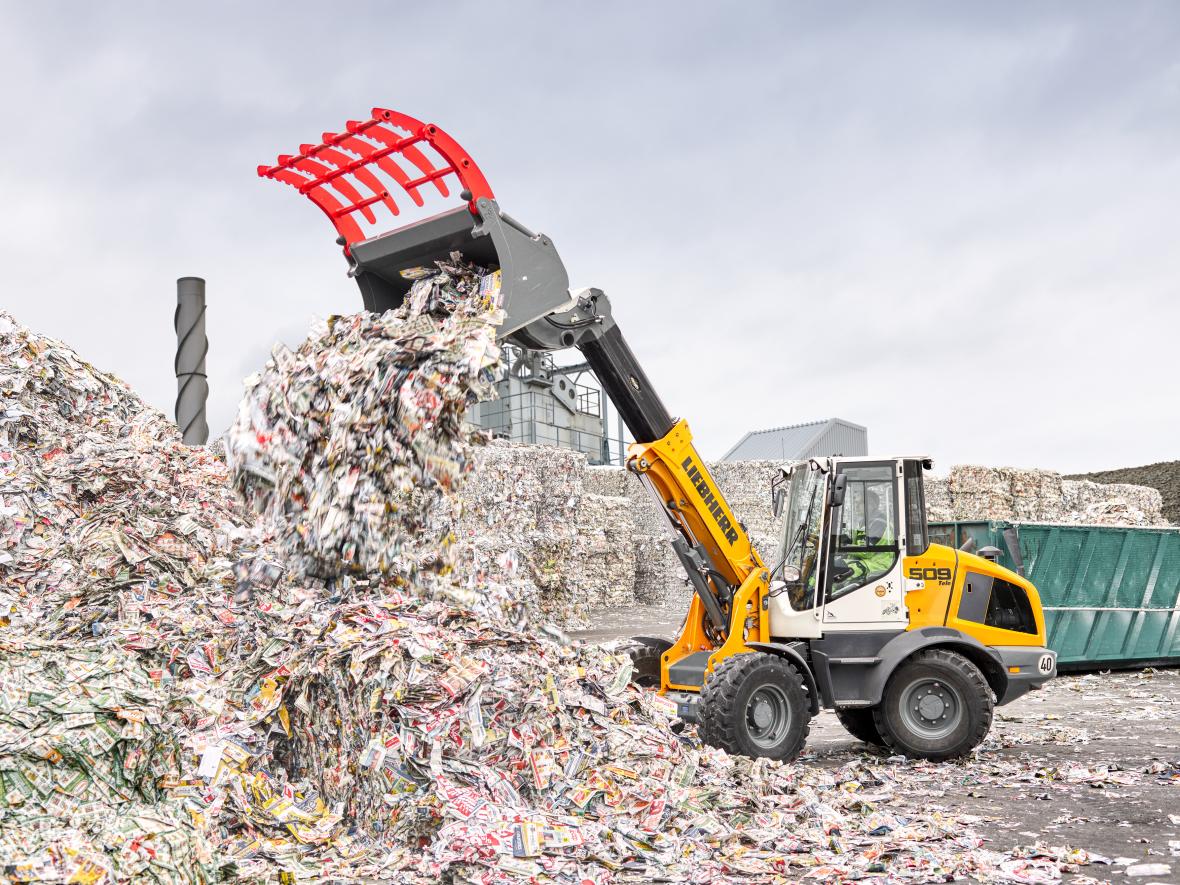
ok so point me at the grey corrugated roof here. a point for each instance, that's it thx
(783, 443)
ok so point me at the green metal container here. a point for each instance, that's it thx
(1109, 594)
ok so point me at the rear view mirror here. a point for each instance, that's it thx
(838, 487)
(778, 492)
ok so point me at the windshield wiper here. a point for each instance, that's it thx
(798, 534)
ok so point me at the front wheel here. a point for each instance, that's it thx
(936, 706)
(754, 704)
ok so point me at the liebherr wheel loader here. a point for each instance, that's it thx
(910, 643)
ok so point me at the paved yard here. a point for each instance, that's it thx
(1090, 761)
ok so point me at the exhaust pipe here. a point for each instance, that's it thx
(1012, 542)
(192, 386)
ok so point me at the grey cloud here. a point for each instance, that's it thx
(952, 223)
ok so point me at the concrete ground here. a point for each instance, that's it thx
(1091, 761)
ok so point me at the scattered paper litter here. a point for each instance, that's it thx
(190, 696)
(1148, 869)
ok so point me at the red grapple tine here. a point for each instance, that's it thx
(466, 170)
(397, 118)
(345, 225)
(386, 165)
(411, 153)
(340, 183)
(344, 162)
(341, 159)
(301, 183)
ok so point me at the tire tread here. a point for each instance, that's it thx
(861, 723)
(645, 660)
(719, 698)
(974, 678)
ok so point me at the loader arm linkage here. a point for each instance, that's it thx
(350, 174)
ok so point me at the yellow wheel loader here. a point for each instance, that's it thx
(910, 643)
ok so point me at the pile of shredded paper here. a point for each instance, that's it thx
(188, 694)
(344, 444)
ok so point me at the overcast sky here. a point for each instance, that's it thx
(954, 224)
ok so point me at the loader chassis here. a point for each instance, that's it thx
(850, 636)
(862, 615)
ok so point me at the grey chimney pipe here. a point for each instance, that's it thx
(192, 387)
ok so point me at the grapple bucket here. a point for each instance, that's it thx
(350, 176)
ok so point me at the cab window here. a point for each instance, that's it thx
(865, 546)
(917, 531)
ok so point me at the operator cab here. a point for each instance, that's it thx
(847, 525)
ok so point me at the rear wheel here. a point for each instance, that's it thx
(754, 704)
(936, 706)
(858, 722)
(645, 665)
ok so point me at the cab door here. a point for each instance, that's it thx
(863, 577)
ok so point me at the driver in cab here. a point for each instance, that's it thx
(856, 567)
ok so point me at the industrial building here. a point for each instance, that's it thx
(541, 402)
(795, 442)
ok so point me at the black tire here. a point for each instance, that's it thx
(858, 722)
(754, 705)
(936, 706)
(645, 665)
